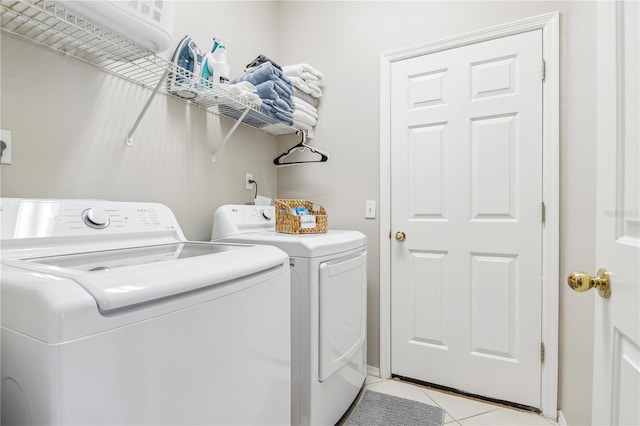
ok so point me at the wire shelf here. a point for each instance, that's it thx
(50, 25)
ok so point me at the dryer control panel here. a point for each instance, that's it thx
(234, 219)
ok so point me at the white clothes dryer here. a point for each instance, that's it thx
(328, 308)
(109, 316)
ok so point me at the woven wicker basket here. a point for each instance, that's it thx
(289, 223)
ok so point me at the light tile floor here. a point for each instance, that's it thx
(458, 410)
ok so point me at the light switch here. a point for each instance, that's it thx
(370, 209)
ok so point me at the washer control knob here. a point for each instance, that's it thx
(95, 218)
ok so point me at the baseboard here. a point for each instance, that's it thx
(373, 371)
(561, 420)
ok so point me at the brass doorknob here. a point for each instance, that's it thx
(400, 236)
(581, 281)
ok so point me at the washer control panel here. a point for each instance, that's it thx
(34, 218)
(96, 218)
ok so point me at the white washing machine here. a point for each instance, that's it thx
(328, 308)
(109, 316)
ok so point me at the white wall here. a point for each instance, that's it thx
(577, 222)
(344, 40)
(69, 121)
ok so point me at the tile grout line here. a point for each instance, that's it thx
(424, 391)
(477, 415)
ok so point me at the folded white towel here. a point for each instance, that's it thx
(311, 89)
(252, 97)
(243, 86)
(246, 91)
(314, 85)
(303, 117)
(306, 97)
(310, 77)
(298, 69)
(299, 104)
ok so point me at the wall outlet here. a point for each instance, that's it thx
(248, 177)
(370, 209)
(5, 147)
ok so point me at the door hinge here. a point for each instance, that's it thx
(541, 352)
(543, 69)
(543, 212)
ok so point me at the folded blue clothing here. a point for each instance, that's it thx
(277, 85)
(266, 91)
(269, 90)
(284, 88)
(270, 106)
(279, 105)
(278, 115)
(272, 112)
(286, 120)
(267, 69)
(267, 72)
(278, 88)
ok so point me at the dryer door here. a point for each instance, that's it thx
(342, 311)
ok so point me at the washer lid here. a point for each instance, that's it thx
(125, 277)
(305, 245)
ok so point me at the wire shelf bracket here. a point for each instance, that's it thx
(229, 133)
(156, 90)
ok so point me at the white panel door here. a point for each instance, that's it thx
(466, 190)
(616, 381)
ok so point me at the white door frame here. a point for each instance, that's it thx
(549, 24)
